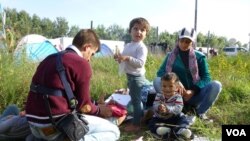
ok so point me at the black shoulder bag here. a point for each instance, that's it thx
(73, 125)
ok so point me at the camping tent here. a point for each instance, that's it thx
(113, 44)
(29, 39)
(104, 52)
(107, 46)
(36, 48)
(61, 43)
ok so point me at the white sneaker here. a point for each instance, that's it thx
(162, 131)
(205, 118)
(183, 132)
(191, 119)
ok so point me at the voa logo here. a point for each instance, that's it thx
(236, 132)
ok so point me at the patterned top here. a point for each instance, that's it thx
(173, 105)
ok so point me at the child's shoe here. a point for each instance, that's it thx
(191, 119)
(162, 131)
(205, 118)
(184, 134)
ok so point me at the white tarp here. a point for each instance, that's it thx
(107, 46)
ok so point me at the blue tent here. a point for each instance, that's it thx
(104, 52)
(36, 51)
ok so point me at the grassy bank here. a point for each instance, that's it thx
(230, 108)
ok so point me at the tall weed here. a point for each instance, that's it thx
(15, 77)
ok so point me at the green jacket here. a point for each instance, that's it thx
(185, 74)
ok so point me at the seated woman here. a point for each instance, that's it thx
(191, 67)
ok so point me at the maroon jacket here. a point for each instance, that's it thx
(78, 73)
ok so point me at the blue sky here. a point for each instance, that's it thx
(229, 18)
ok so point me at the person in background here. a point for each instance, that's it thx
(213, 52)
(76, 61)
(168, 110)
(191, 66)
(2, 41)
(13, 124)
(200, 49)
(9, 39)
(134, 57)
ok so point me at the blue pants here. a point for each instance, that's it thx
(135, 84)
(206, 98)
(13, 126)
(10, 110)
(201, 101)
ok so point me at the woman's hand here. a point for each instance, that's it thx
(180, 88)
(187, 94)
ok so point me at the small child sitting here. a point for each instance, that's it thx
(167, 111)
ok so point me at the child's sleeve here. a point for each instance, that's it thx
(176, 106)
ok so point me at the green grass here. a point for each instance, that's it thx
(14, 80)
(232, 106)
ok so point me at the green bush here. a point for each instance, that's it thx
(233, 73)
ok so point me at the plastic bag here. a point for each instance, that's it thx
(121, 68)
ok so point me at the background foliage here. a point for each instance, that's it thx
(22, 24)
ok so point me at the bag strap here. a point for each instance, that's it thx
(61, 70)
(70, 97)
(46, 98)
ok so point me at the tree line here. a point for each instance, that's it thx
(23, 24)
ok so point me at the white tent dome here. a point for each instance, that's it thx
(35, 47)
(29, 39)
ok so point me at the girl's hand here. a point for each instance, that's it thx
(116, 56)
(121, 58)
(124, 58)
